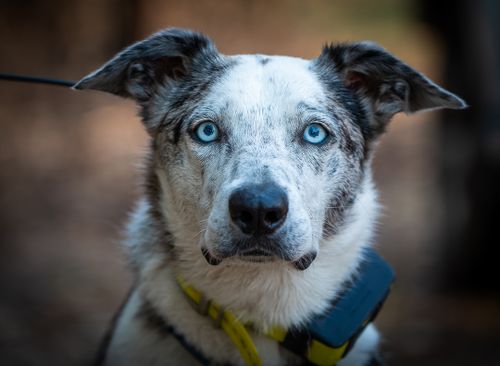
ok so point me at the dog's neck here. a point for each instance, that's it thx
(273, 293)
(266, 294)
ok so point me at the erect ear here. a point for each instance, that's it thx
(387, 84)
(137, 71)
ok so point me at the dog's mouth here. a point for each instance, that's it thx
(259, 255)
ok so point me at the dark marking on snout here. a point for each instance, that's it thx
(258, 209)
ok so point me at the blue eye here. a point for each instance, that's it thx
(207, 132)
(315, 134)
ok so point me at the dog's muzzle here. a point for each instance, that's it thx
(257, 212)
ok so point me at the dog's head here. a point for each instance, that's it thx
(261, 157)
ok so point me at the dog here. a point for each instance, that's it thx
(258, 189)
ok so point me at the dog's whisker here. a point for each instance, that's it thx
(198, 234)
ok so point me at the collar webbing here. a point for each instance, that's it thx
(317, 352)
(328, 337)
(224, 319)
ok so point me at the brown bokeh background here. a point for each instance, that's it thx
(69, 166)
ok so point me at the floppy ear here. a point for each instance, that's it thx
(383, 82)
(137, 71)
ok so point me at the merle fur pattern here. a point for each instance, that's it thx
(261, 106)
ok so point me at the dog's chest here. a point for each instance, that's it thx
(141, 338)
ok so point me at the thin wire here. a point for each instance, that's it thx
(34, 79)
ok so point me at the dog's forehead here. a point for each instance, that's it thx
(260, 80)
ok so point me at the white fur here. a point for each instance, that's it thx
(266, 294)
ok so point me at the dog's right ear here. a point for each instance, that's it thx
(385, 84)
(137, 71)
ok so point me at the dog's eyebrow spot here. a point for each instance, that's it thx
(264, 60)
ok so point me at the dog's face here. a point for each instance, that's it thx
(259, 157)
(263, 155)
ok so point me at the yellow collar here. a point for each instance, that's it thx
(316, 352)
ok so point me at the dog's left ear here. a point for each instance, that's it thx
(387, 84)
(137, 71)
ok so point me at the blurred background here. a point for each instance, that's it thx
(69, 166)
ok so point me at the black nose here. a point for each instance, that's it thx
(258, 209)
